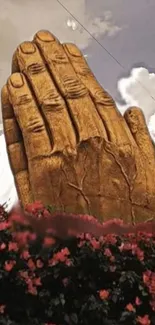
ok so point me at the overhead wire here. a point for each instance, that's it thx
(99, 43)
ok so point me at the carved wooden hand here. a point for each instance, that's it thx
(67, 143)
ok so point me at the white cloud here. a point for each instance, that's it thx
(138, 89)
(8, 192)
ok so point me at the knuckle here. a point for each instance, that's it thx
(58, 55)
(82, 68)
(23, 99)
(73, 87)
(35, 125)
(52, 102)
(101, 96)
(36, 68)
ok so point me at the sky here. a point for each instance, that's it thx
(118, 41)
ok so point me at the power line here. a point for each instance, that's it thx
(90, 34)
(108, 52)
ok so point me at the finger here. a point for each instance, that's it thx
(81, 106)
(28, 59)
(114, 123)
(137, 125)
(31, 123)
(15, 149)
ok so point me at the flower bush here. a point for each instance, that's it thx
(61, 269)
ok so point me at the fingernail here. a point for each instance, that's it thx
(45, 36)
(16, 80)
(73, 50)
(27, 48)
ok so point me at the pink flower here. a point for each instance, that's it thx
(62, 255)
(144, 320)
(107, 252)
(104, 294)
(33, 207)
(2, 246)
(4, 225)
(140, 254)
(125, 247)
(32, 290)
(138, 301)
(37, 281)
(13, 247)
(95, 243)
(48, 241)
(8, 266)
(68, 262)
(25, 255)
(146, 277)
(130, 307)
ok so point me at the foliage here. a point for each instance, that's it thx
(78, 279)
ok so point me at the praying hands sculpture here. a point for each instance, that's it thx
(67, 143)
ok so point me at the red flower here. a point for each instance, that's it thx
(22, 237)
(48, 241)
(2, 308)
(138, 301)
(125, 247)
(37, 282)
(8, 266)
(81, 243)
(95, 243)
(149, 280)
(130, 307)
(25, 255)
(13, 247)
(4, 225)
(34, 207)
(104, 294)
(111, 239)
(61, 256)
(16, 217)
(144, 320)
(68, 262)
(107, 252)
(140, 254)
(32, 290)
(2, 246)
(146, 277)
